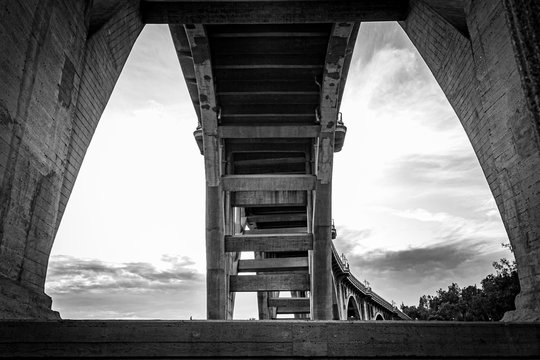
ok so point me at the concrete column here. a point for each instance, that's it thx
(216, 290)
(491, 81)
(505, 44)
(321, 272)
(56, 80)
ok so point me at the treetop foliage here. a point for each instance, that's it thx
(487, 303)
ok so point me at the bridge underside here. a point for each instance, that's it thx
(59, 63)
(267, 97)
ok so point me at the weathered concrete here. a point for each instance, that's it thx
(216, 284)
(56, 80)
(265, 339)
(491, 81)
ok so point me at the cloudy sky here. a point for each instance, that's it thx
(412, 208)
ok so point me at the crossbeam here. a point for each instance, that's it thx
(268, 182)
(250, 12)
(289, 302)
(277, 217)
(273, 264)
(267, 131)
(274, 282)
(268, 198)
(281, 242)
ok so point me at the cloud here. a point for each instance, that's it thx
(463, 253)
(349, 240)
(94, 289)
(449, 169)
(419, 261)
(68, 274)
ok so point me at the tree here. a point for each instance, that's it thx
(489, 303)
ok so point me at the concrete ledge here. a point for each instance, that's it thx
(286, 339)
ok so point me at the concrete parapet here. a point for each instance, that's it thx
(266, 339)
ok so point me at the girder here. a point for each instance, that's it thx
(268, 99)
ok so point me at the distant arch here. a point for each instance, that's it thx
(352, 309)
(379, 317)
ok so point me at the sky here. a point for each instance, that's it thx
(412, 208)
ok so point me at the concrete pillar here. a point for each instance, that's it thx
(216, 289)
(321, 277)
(55, 82)
(491, 81)
(506, 45)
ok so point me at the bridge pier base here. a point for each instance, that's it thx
(216, 277)
(321, 277)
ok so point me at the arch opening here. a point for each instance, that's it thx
(352, 309)
(416, 201)
(126, 242)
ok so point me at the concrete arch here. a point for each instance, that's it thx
(485, 94)
(63, 48)
(379, 316)
(353, 311)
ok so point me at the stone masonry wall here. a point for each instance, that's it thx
(481, 80)
(55, 85)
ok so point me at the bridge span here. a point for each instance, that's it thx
(267, 97)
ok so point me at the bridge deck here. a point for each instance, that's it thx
(262, 339)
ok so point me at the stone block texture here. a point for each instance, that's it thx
(56, 79)
(491, 80)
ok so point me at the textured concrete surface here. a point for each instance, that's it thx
(266, 339)
(56, 80)
(482, 77)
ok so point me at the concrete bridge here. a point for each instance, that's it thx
(267, 97)
(266, 79)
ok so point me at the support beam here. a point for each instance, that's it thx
(277, 282)
(293, 310)
(273, 264)
(245, 12)
(288, 230)
(277, 243)
(268, 131)
(322, 252)
(217, 294)
(216, 276)
(285, 303)
(269, 218)
(200, 49)
(269, 198)
(321, 271)
(268, 182)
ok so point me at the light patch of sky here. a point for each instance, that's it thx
(407, 177)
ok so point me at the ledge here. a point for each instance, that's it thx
(287, 339)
